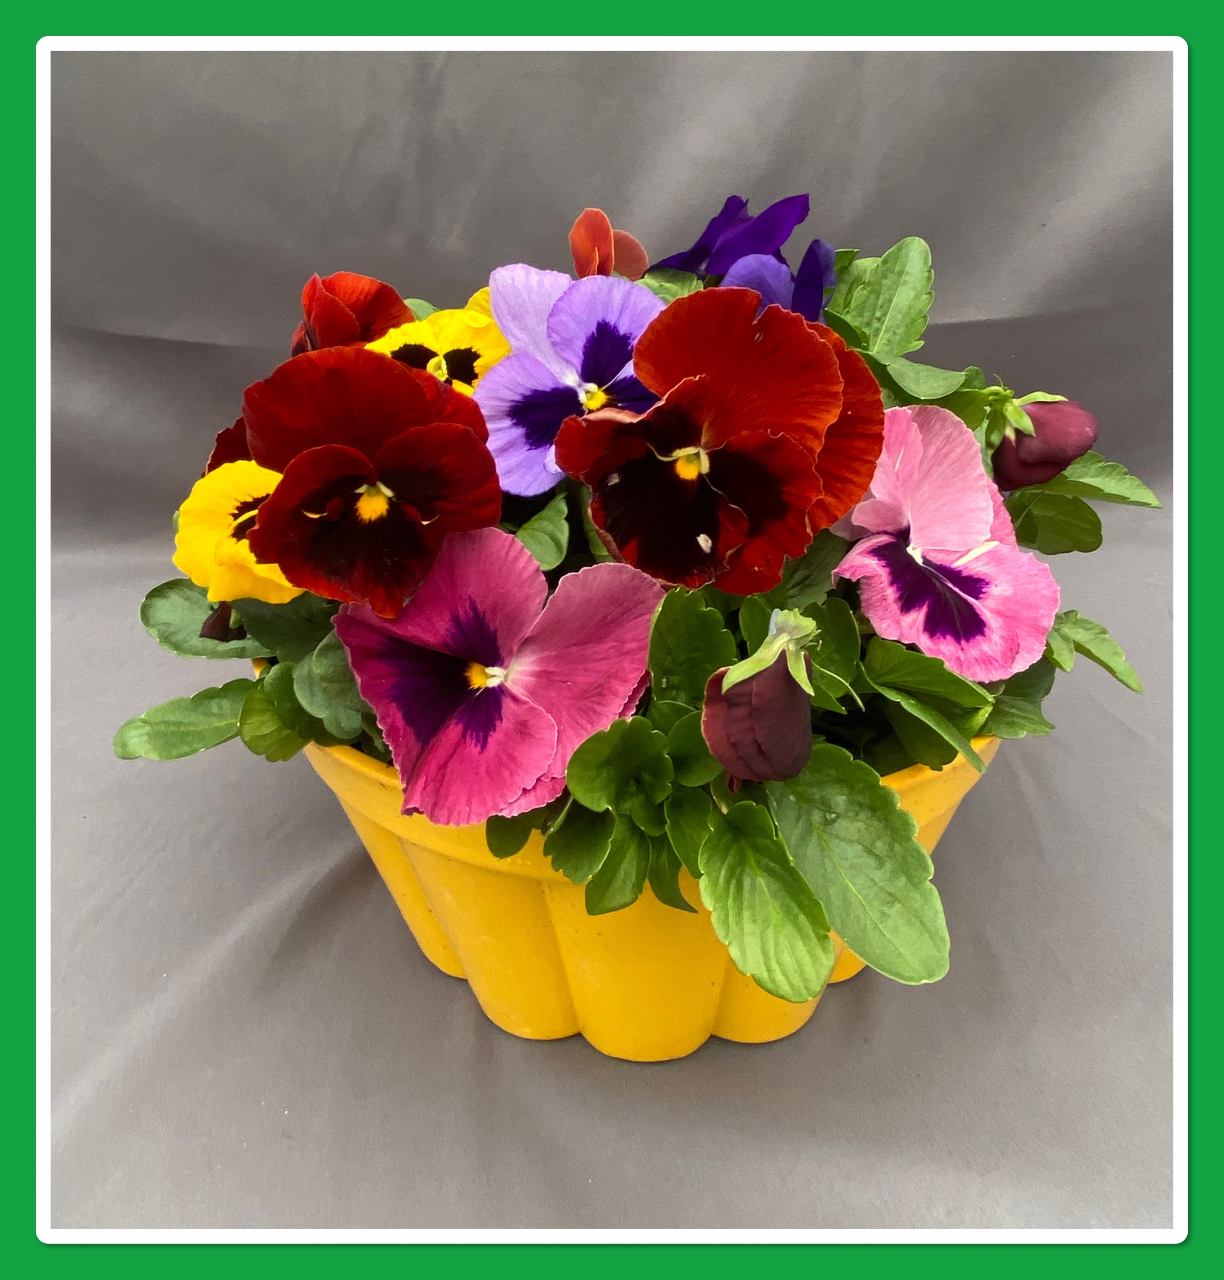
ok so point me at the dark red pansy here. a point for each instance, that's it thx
(229, 446)
(346, 309)
(761, 728)
(379, 464)
(716, 481)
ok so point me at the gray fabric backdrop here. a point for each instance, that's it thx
(244, 1033)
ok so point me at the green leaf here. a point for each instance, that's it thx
(1017, 709)
(595, 543)
(618, 882)
(690, 756)
(887, 663)
(857, 850)
(262, 730)
(183, 726)
(1040, 397)
(625, 768)
(935, 720)
(578, 842)
(809, 579)
(769, 919)
(324, 685)
(925, 745)
(506, 836)
(789, 632)
(419, 308)
(838, 643)
(1017, 419)
(887, 299)
(688, 813)
(664, 875)
(851, 336)
(292, 630)
(688, 643)
(664, 715)
(546, 534)
(1053, 523)
(1092, 477)
(669, 284)
(173, 614)
(372, 741)
(1073, 634)
(754, 617)
(923, 381)
(842, 258)
(278, 685)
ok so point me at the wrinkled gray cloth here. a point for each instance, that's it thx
(244, 1032)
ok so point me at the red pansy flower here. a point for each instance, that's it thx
(379, 463)
(345, 309)
(597, 250)
(716, 482)
(229, 446)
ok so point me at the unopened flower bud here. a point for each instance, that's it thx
(1063, 431)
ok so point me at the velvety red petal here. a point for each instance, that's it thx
(450, 405)
(376, 306)
(628, 257)
(590, 241)
(774, 482)
(309, 527)
(852, 444)
(344, 395)
(769, 372)
(328, 322)
(445, 474)
(229, 446)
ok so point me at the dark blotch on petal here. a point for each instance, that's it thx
(604, 354)
(761, 728)
(461, 365)
(414, 354)
(944, 594)
(471, 637)
(539, 414)
(481, 714)
(628, 393)
(429, 686)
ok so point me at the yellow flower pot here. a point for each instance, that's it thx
(647, 983)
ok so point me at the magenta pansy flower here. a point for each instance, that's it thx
(939, 567)
(482, 690)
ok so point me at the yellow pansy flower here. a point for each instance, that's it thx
(458, 346)
(213, 526)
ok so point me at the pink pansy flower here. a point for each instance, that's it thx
(482, 690)
(939, 567)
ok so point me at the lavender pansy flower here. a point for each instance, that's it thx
(805, 292)
(571, 353)
(733, 233)
(482, 690)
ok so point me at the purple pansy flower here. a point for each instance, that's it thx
(482, 690)
(572, 353)
(733, 233)
(939, 566)
(805, 292)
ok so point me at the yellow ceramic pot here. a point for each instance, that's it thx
(646, 983)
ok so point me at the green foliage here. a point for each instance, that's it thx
(664, 875)
(292, 630)
(1017, 708)
(173, 614)
(887, 299)
(618, 882)
(690, 756)
(924, 744)
(595, 544)
(625, 768)
(688, 813)
(1072, 634)
(919, 381)
(184, 726)
(1053, 523)
(768, 917)
(688, 643)
(754, 618)
(546, 534)
(834, 656)
(665, 715)
(856, 849)
(891, 664)
(789, 632)
(578, 843)
(669, 284)
(324, 685)
(506, 836)
(808, 579)
(278, 685)
(1092, 477)
(262, 730)
(419, 308)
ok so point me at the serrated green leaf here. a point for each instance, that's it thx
(1053, 523)
(1094, 642)
(935, 720)
(419, 308)
(851, 336)
(546, 534)
(173, 614)
(887, 663)
(1017, 709)
(688, 812)
(690, 756)
(769, 919)
(664, 715)
(664, 875)
(324, 685)
(292, 630)
(506, 836)
(624, 768)
(184, 726)
(837, 646)
(1092, 477)
(857, 850)
(578, 842)
(809, 578)
(688, 643)
(618, 882)
(669, 283)
(887, 298)
(262, 731)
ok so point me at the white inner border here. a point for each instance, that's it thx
(384, 44)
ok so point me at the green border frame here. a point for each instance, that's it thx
(1202, 30)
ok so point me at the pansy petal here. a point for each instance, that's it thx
(524, 404)
(328, 322)
(628, 256)
(229, 446)
(444, 474)
(521, 298)
(587, 652)
(377, 306)
(590, 241)
(594, 324)
(733, 212)
(816, 276)
(949, 500)
(766, 233)
(764, 273)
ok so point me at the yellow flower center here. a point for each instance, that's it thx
(482, 677)
(593, 397)
(692, 463)
(374, 503)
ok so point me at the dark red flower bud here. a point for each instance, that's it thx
(1064, 429)
(761, 728)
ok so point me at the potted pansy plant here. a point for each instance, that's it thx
(649, 623)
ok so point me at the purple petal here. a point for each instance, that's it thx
(595, 323)
(521, 298)
(817, 274)
(733, 213)
(766, 233)
(764, 273)
(524, 405)
(761, 728)
(585, 656)
(629, 393)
